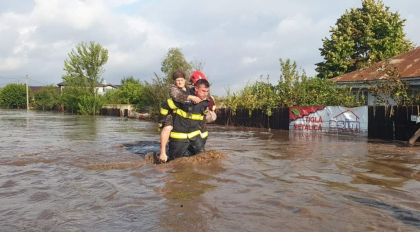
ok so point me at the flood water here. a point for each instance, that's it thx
(83, 173)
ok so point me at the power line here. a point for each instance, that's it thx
(10, 77)
(5, 83)
(19, 80)
(37, 81)
(12, 82)
(16, 79)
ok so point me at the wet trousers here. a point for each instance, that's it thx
(186, 147)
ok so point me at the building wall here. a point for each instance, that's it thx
(100, 90)
(108, 88)
(371, 100)
(128, 107)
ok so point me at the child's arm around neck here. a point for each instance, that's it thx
(177, 94)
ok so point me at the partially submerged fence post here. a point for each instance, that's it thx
(393, 122)
(414, 137)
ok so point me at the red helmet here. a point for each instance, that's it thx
(197, 75)
(212, 103)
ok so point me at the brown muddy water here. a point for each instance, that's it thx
(83, 173)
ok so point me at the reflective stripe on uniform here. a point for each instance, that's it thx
(204, 134)
(179, 135)
(180, 112)
(164, 111)
(184, 114)
(171, 104)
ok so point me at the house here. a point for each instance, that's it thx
(100, 88)
(105, 88)
(408, 65)
(35, 88)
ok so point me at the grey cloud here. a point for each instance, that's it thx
(8, 40)
(222, 33)
(53, 32)
(16, 6)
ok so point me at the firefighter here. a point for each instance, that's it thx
(179, 92)
(211, 115)
(188, 136)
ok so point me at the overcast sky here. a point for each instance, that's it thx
(238, 40)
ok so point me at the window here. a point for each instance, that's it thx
(414, 92)
(361, 96)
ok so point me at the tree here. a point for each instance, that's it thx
(391, 89)
(172, 61)
(197, 65)
(260, 95)
(90, 104)
(297, 89)
(13, 96)
(113, 97)
(48, 97)
(294, 89)
(157, 91)
(131, 92)
(289, 82)
(362, 36)
(71, 96)
(84, 68)
(129, 79)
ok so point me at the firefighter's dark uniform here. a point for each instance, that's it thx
(188, 133)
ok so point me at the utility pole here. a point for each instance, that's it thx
(27, 93)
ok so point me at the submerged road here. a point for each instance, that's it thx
(63, 172)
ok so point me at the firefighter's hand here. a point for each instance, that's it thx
(163, 158)
(195, 99)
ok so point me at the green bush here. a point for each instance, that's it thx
(294, 89)
(91, 104)
(13, 96)
(48, 97)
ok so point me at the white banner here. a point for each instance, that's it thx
(329, 119)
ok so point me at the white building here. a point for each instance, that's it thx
(100, 88)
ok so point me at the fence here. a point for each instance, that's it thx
(258, 118)
(392, 122)
(118, 110)
(384, 122)
(111, 112)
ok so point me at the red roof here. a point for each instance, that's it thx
(408, 65)
(35, 88)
